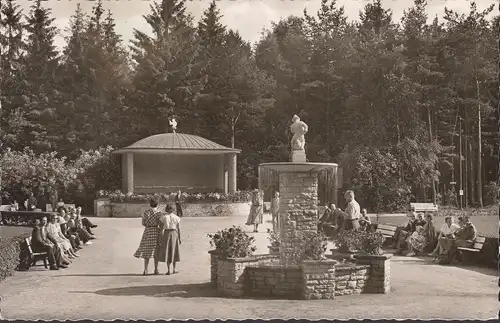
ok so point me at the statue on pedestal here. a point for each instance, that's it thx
(299, 129)
(173, 124)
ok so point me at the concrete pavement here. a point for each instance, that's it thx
(106, 283)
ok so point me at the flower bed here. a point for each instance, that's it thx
(117, 204)
(118, 196)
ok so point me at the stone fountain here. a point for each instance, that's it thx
(298, 186)
(261, 275)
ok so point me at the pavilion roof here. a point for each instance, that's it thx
(177, 142)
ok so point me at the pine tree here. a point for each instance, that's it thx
(39, 67)
(11, 48)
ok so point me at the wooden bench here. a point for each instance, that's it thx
(476, 249)
(387, 230)
(424, 207)
(35, 256)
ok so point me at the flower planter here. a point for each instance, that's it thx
(274, 250)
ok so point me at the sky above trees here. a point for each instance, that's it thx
(248, 17)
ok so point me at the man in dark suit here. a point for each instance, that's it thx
(42, 241)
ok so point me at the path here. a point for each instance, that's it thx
(104, 283)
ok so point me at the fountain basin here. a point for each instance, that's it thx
(298, 167)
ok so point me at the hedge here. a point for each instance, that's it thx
(10, 255)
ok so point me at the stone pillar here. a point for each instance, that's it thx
(298, 210)
(231, 167)
(318, 278)
(214, 258)
(380, 273)
(128, 173)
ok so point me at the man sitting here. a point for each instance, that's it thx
(464, 237)
(402, 233)
(331, 221)
(364, 221)
(42, 241)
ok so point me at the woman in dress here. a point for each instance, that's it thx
(275, 205)
(170, 239)
(65, 229)
(149, 240)
(178, 206)
(256, 211)
(54, 229)
(417, 241)
(430, 232)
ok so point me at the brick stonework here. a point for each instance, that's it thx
(298, 207)
(318, 279)
(380, 273)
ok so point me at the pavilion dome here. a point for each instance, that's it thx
(177, 142)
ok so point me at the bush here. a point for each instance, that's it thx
(274, 238)
(491, 193)
(10, 255)
(360, 242)
(232, 243)
(312, 247)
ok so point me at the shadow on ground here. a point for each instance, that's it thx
(99, 275)
(178, 290)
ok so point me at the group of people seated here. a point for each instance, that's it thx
(334, 219)
(62, 235)
(420, 235)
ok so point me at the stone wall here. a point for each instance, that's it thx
(104, 208)
(274, 281)
(318, 279)
(263, 276)
(351, 279)
(231, 273)
(298, 208)
(380, 273)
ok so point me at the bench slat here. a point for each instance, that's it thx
(480, 239)
(387, 227)
(468, 249)
(478, 246)
(385, 232)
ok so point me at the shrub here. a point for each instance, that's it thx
(360, 241)
(232, 243)
(491, 193)
(312, 247)
(10, 255)
(274, 238)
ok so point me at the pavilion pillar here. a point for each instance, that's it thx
(231, 169)
(128, 173)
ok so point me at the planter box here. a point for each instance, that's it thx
(380, 272)
(106, 208)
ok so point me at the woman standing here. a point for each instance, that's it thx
(178, 206)
(256, 211)
(170, 239)
(275, 205)
(149, 240)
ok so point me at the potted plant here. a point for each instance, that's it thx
(274, 242)
(371, 243)
(232, 243)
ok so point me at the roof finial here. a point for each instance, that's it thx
(173, 123)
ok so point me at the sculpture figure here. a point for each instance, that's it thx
(299, 129)
(173, 123)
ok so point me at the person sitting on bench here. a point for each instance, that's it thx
(364, 221)
(402, 233)
(330, 222)
(42, 241)
(464, 237)
(85, 223)
(446, 232)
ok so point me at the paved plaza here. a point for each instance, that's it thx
(106, 283)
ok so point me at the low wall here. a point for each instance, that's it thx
(263, 276)
(106, 208)
(274, 281)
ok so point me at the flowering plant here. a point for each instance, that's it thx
(273, 237)
(232, 243)
(118, 196)
(360, 241)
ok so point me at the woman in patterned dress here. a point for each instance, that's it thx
(147, 247)
(256, 211)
